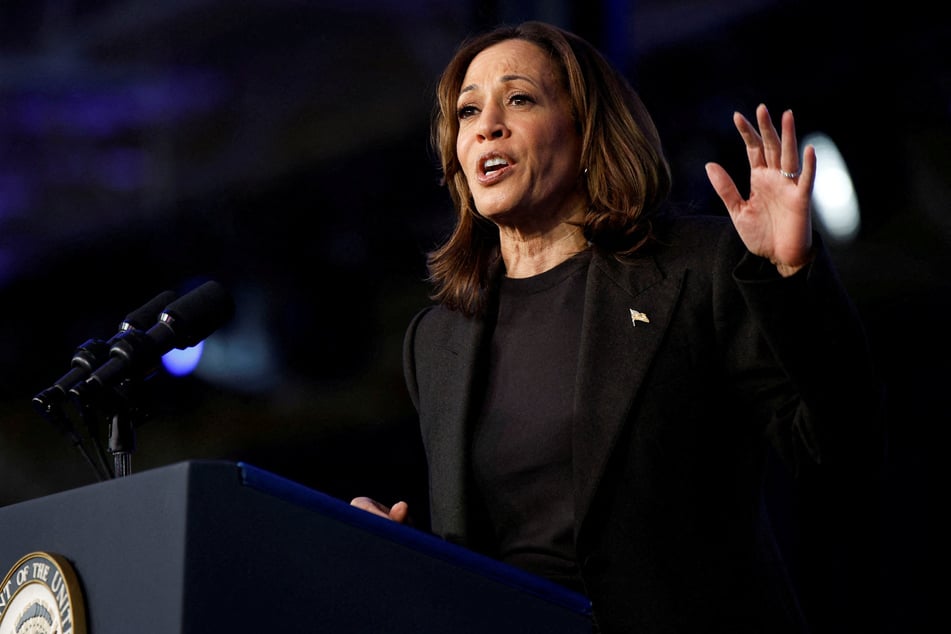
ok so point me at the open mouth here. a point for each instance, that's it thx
(491, 167)
(494, 164)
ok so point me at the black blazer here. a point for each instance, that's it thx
(695, 357)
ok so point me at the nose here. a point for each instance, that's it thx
(492, 123)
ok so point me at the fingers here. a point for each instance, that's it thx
(808, 175)
(724, 186)
(766, 148)
(772, 146)
(789, 156)
(752, 139)
(370, 505)
(399, 512)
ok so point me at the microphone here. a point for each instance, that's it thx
(94, 352)
(146, 314)
(136, 353)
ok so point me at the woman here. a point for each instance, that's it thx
(599, 382)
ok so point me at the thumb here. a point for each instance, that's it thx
(724, 186)
(399, 512)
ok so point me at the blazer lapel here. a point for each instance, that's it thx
(460, 361)
(626, 311)
(457, 364)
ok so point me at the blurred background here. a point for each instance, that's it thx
(280, 147)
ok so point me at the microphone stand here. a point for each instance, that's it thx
(88, 416)
(117, 405)
(53, 413)
(122, 433)
(121, 444)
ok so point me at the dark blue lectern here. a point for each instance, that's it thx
(212, 546)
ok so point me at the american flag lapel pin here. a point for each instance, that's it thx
(637, 316)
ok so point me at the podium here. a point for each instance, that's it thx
(218, 546)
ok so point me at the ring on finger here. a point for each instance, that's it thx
(791, 174)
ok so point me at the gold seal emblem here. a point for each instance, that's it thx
(41, 595)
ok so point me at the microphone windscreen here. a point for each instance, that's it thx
(144, 316)
(198, 313)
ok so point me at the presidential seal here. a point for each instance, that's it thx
(41, 595)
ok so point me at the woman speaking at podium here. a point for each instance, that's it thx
(601, 378)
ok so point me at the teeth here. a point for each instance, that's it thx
(492, 163)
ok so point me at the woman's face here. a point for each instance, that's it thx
(517, 144)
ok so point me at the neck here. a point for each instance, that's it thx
(525, 256)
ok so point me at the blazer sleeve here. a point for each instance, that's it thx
(815, 332)
(409, 356)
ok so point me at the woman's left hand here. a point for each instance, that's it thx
(775, 222)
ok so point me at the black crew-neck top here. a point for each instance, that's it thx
(521, 445)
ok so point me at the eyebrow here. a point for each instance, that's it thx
(503, 79)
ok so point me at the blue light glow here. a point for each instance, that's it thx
(183, 362)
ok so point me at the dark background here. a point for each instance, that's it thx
(281, 148)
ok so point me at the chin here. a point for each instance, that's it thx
(492, 209)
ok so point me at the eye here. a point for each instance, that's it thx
(521, 99)
(464, 112)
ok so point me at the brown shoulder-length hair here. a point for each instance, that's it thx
(625, 173)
